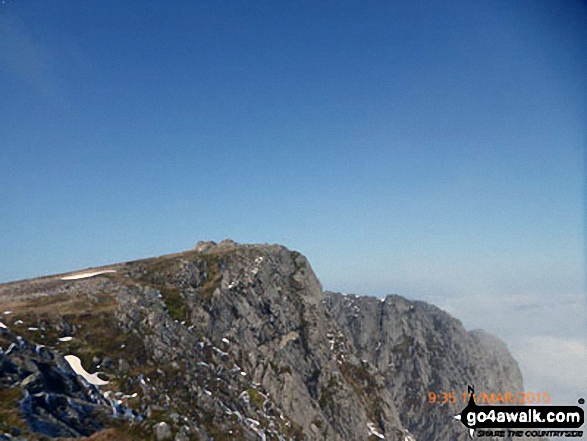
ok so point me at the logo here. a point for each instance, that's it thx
(537, 418)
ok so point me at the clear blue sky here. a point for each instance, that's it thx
(431, 149)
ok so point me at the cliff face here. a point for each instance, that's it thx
(419, 349)
(231, 342)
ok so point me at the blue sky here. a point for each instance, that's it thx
(430, 149)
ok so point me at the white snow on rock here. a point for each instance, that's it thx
(65, 338)
(220, 352)
(2, 325)
(7, 312)
(373, 431)
(86, 275)
(77, 367)
(245, 397)
(10, 348)
(408, 436)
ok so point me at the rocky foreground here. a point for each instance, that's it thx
(232, 342)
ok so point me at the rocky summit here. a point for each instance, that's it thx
(232, 342)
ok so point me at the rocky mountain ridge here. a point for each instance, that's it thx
(229, 342)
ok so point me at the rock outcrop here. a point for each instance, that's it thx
(229, 342)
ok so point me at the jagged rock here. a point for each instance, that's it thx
(238, 341)
(183, 434)
(204, 246)
(123, 366)
(162, 431)
(52, 399)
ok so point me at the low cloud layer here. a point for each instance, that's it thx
(546, 335)
(553, 364)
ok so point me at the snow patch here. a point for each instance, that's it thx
(373, 431)
(86, 275)
(220, 352)
(408, 436)
(77, 367)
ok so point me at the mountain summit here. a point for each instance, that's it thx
(232, 342)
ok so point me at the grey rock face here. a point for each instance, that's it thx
(424, 355)
(162, 431)
(53, 400)
(240, 342)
